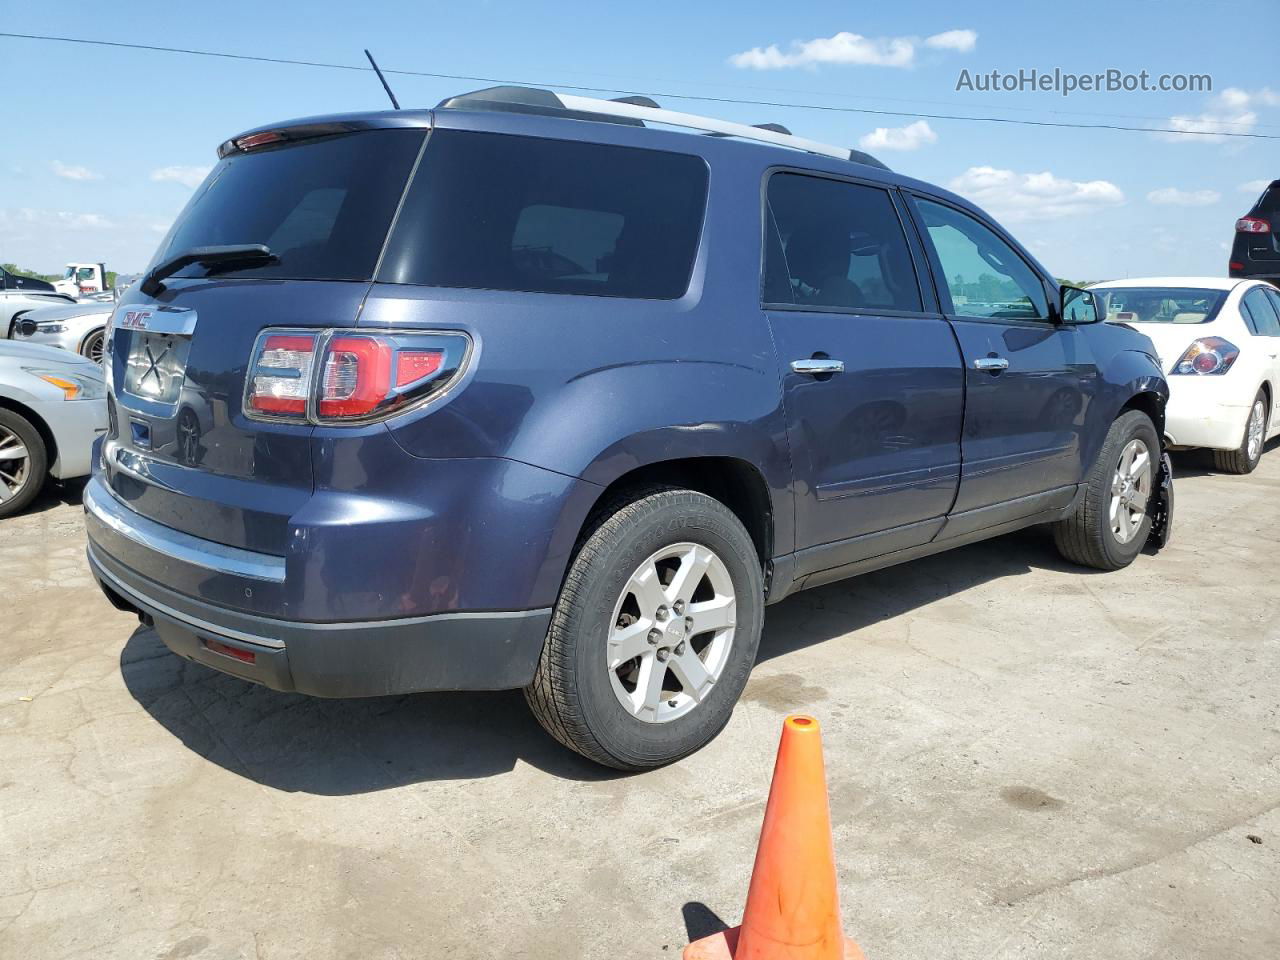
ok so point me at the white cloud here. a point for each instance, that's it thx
(961, 41)
(15, 219)
(45, 239)
(843, 48)
(1254, 186)
(1034, 196)
(851, 48)
(1231, 111)
(187, 176)
(72, 172)
(911, 137)
(1172, 196)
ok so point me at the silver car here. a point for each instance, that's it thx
(80, 328)
(52, 407)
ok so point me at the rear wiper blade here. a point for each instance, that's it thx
(236, 253)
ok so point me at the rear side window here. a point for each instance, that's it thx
(500, 212)
(322, 206)
(830, 243)
(1269, 202)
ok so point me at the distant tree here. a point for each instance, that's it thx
(23, 272)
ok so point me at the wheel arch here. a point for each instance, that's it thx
(1150, 403)
(735, 482)
(88, 336)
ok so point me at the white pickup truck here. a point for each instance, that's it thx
(83, 279)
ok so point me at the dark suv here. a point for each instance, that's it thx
(1256, 253)
(521, 392)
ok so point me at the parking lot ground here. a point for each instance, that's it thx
(1025, 760)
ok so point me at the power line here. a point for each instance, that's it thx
(668, 95)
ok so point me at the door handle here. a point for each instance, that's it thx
(991, 364)
(815, 366)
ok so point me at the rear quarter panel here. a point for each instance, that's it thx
(592, 387)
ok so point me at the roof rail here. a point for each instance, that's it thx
(633, 110)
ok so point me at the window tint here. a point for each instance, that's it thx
(1269, 202)
(1274, 297)
(985, 276)
(1265, 320)
(502, 212)
(836, 244)
(322, 206)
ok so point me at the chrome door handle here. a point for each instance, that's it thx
(991, 364)
(817, 365)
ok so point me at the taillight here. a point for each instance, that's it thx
(1253, 225)
(1235, 265)
(356, 378)
(1207, 356)
(280, 375)
(351, 376)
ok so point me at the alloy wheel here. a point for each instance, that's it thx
(94, 348)
(1130, 491)
(671, 632)
(15, 464)
(1253, 433)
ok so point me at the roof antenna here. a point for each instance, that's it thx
(385, 86)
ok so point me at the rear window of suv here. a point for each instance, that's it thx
(502, 212)
(322, 206)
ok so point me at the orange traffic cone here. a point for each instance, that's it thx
(793, 909)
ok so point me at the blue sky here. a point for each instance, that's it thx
(106, 144)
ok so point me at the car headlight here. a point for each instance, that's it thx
(51, 328)
(74, 386)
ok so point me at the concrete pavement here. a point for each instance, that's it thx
(1025, 760)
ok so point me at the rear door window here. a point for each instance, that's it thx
(1261, 307)
(836, 244)
(322, 206)
(502, 212)
(1274, 297)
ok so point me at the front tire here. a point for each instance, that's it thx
(1246, 457)
(92, 346)
(1112, 523)
(24, 462)
(655, 631)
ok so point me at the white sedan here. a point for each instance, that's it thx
(52, 407)
(1219, 344)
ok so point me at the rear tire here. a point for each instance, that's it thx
(24, 462)
(1106, 532)
(621, 711)
(1246, 457)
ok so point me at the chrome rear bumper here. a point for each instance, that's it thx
(108, 509)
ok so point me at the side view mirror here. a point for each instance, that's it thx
(1079, 306)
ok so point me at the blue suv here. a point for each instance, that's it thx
(527, 391)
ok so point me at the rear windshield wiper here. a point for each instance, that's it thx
(224, 256)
